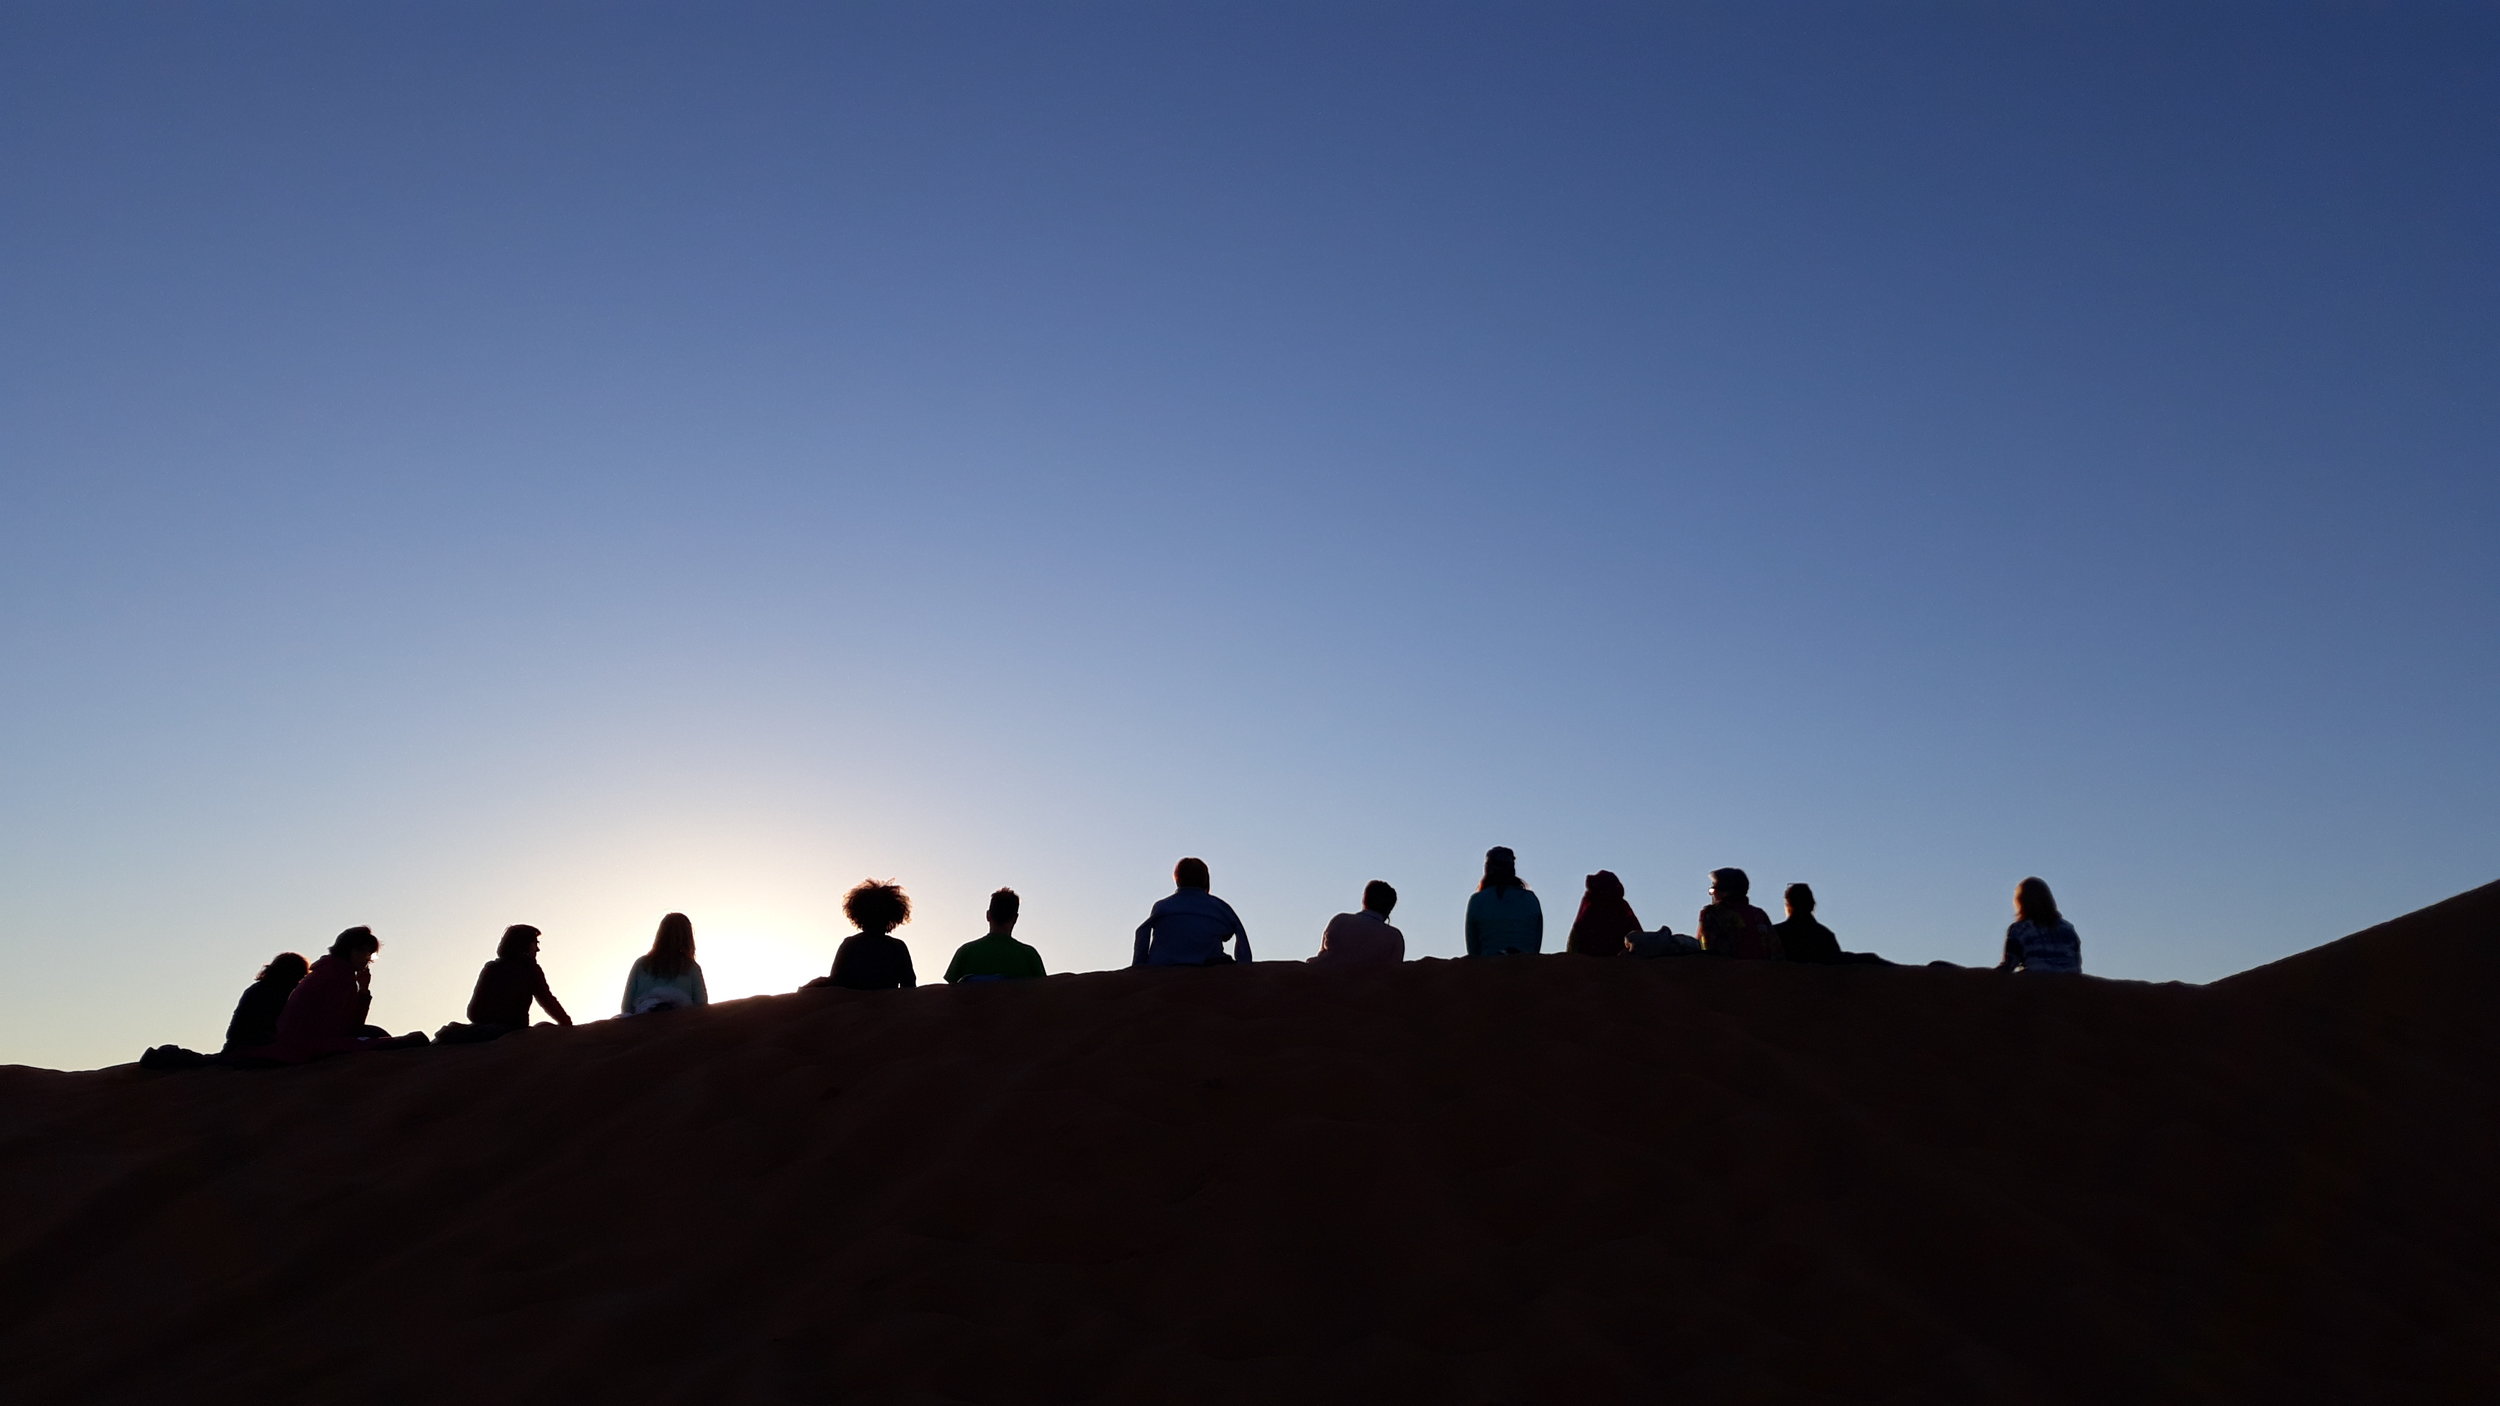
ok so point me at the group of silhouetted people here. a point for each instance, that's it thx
(295, 1011)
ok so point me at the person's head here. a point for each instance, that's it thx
(357, 945)
(1604, 884)
(518, 944)
(1004, 906)
(1501, 869)
(877, 906)
(1729, 886)
(672, 947)
(1379, 898)
(286, 969)
(2033, 903)
(1191, 874)
(1800, 901)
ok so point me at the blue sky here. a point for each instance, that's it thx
(471, 464)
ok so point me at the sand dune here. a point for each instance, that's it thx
(1535, 1181)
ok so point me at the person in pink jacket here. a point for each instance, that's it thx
(325, 1013)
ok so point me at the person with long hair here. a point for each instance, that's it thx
(1503, 915)
(500, 1002)
(2040, 939)
(255, 1020)
(1190, 928)
(873, 958)
(325, 1013)
(667, 977)
(1605, 921)
(1731, 926)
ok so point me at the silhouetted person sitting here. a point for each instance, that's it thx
(325, 1013)
(2041, 940)
(1502, 915)
(667, 978)
(1190, 928)
(1731, 926)
(500, 1003)
(1803, 938)
(997, 957)
(1605, 919)
(1365, 938)
(873, 959)
(255, 1022)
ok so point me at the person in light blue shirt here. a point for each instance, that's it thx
(1503, 916)
(1189, 929)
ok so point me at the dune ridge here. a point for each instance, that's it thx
(1531, 1180)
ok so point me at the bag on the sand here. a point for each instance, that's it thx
(173, 1057)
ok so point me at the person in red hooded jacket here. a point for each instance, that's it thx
(1605, 918)
(325, 1013)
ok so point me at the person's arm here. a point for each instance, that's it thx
(1145, 938)
(1536, 922)
(1475, 930)
(626, 1006)
(910, 978)
(1241, 935)
(702, 994)
(2013, 951)
(547, 999)
(955, 968)
(1033, 960)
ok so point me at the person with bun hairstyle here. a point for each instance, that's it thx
(1503, 916)
(2040, 940)
(666, 978)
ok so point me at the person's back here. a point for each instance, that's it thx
(1503, 914)
(1605, 918)
(1804, 939)
(1731, 926)
(255, 1022)
(2041, 940)
(873, 961)
(1364, 938)
(997, 956)
(667, 977)
(1190, 928)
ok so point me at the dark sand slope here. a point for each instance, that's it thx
(1542, 1181)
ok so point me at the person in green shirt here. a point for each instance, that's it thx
(997, 957)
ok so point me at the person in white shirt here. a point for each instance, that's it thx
(1365, 938)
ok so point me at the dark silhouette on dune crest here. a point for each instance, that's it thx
(1480, 1182)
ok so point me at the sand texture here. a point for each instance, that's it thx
(1533, 1181)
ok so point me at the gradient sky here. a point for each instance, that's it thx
(464, 464)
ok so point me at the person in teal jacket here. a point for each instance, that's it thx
(1503, 916)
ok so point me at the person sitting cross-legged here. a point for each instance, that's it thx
(1364, 939)
(997, 957)
(1190, 928)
